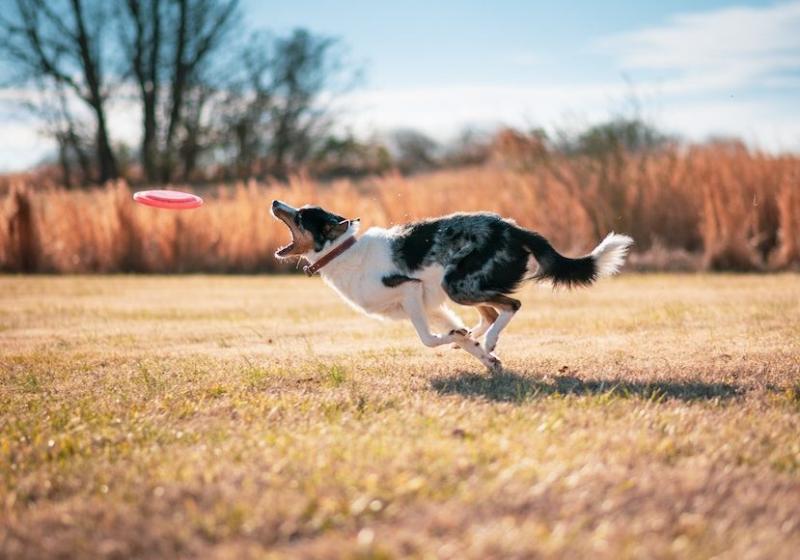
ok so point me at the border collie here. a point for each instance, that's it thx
(410, 271)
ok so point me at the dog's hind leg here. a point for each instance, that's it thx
(488, 317)
(415, 308)
(451, 321)
(502, 309)
(507, 307)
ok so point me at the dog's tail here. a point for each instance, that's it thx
(604, 260)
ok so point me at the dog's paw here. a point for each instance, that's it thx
(493, 364)
(459, 332)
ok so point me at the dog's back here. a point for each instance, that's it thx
(483, 253)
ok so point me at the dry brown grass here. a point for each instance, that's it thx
(651, 416)
(720, 207)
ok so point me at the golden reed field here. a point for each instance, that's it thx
(716, 207)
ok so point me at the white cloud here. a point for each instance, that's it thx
(442, 111)
(707, 73)
(21, 143)
(731, 47)
(758, 123)
(21, 146)
(527, 58)
(125, 122)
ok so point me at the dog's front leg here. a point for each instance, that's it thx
(415, 308)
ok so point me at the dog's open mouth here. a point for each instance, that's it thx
(285, 250)
(285, 213)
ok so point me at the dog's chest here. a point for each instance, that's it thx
(366, 293)
(357, 277)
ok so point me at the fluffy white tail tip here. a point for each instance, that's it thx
(610, 254)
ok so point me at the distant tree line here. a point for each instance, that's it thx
(215, 101)
(209, 95)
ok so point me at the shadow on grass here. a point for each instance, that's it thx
(512, 387)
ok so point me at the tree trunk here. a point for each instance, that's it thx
(179, 77)
(63, 159)
(91, 70)
(105, 155)
(149, 147)
(74, 142)
(145, 65)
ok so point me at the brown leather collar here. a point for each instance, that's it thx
(312, 269)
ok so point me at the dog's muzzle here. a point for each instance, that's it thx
(286, 214)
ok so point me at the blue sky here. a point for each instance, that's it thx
(417, 43)
(697, 68)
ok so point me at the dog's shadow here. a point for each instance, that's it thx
(512, 387)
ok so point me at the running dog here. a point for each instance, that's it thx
(410, 271)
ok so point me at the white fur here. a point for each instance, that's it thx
(356, 274)
(610, 254)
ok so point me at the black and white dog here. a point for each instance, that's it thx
(410, 271)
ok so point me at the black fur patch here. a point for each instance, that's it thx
(573, 272)
(484, 255)
(319, 223)
(553, 266)
(503, 258)
(394, 280)
(416, 242)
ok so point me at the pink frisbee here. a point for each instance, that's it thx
(171, 200)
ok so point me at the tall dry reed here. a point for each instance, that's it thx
(730, 207)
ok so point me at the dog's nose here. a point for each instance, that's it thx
(276, 203)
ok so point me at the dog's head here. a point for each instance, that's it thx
(312, 228)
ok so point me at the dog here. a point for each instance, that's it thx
(410, 271)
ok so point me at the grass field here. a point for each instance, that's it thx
(228, 417)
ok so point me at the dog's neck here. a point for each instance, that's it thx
(315, 256)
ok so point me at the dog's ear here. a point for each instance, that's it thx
(347, 223)
(335, 228)
(331, 229)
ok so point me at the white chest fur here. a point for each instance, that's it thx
(357, 275)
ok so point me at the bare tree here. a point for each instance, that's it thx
(167, 43)
(200, 28)
(304, 64)
(413, 150)
(58, 120)
(265, 104)
(244, 108)
(142, 44)
(64, 42)
(66, 129)
(197, 134)
(276, 114)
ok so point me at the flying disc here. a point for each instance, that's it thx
(171, 200)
